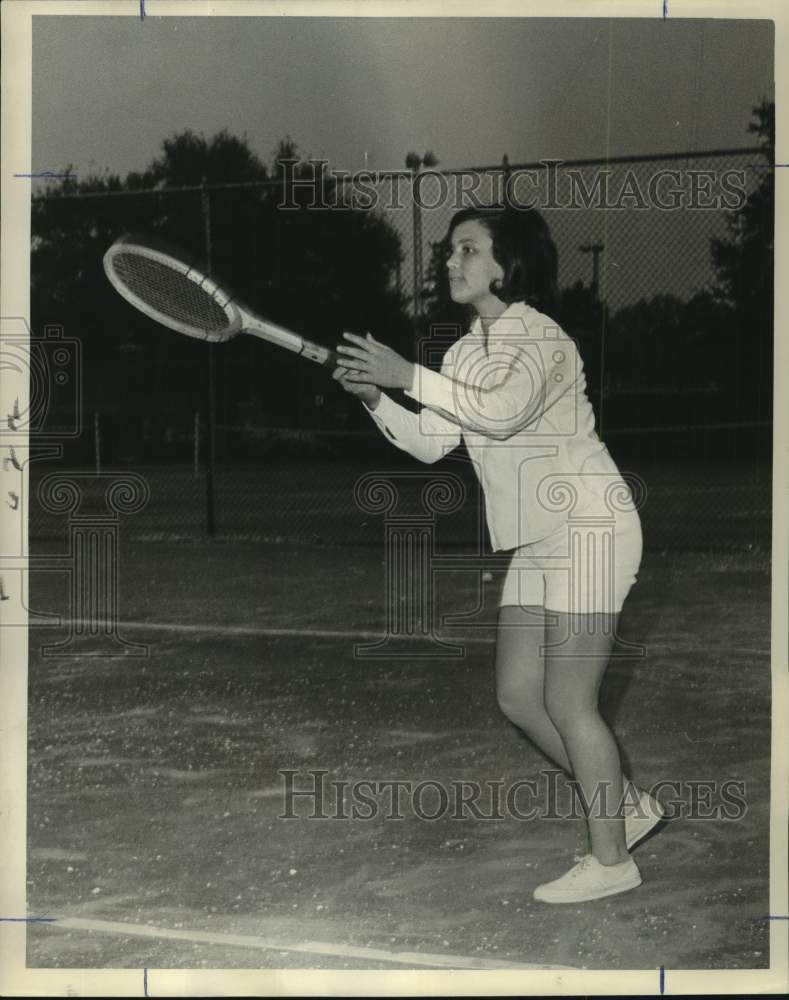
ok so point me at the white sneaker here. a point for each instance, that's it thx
(590, 880)
(641, 818)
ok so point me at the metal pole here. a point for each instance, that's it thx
(417, 250)
(506, 173)
(197, 445)
(604, 332)
(97, 442)
(210, 518)
(595, 249)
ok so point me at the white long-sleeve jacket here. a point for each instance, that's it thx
(518, 398)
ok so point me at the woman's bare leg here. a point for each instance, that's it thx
(575, 662)
(520, 679)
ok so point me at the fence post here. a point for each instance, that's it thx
(97, 442)
(506, 175)
(210, 518)
(417, 250)
(197, 445)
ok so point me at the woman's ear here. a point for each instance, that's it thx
(496, 286)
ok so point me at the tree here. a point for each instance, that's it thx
(744, 265)
(190, 159)
(664, 342)
(583, 317)
(317, 272)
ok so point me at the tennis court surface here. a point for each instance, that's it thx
(155, 792)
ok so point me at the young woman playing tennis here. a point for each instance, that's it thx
(514, 388)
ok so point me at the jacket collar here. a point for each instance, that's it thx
(512, 325)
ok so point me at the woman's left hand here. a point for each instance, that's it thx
(367, 360)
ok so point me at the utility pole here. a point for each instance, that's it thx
(595, 249)
(415, 162)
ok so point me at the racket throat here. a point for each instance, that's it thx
(274, 334)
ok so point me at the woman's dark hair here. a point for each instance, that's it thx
(522, 245)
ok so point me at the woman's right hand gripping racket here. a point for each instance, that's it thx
(164, 284)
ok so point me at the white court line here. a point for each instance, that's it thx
(306, 632)
(410, 958)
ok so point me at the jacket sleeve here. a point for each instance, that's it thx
(500, 394)
(426, 435)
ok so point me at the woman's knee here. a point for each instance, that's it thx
(568, 713)
(508, 701)
(518, 702)
(520, 666)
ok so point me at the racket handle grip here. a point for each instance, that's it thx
(321, 355)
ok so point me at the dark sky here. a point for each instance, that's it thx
(107, 90)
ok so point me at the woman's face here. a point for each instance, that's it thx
(472, 268)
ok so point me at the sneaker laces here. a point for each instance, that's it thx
(584, 862)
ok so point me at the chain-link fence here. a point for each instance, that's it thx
(676, 341)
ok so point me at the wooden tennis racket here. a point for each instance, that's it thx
(170, 288)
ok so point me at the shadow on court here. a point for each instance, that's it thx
(156, 793)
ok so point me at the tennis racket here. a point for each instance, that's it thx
(169, 287)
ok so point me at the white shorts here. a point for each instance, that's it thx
(580, 569)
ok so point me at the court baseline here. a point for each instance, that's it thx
(410, 958)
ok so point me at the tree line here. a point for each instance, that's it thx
(320, 272)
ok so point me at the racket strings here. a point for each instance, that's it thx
(170, 293)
